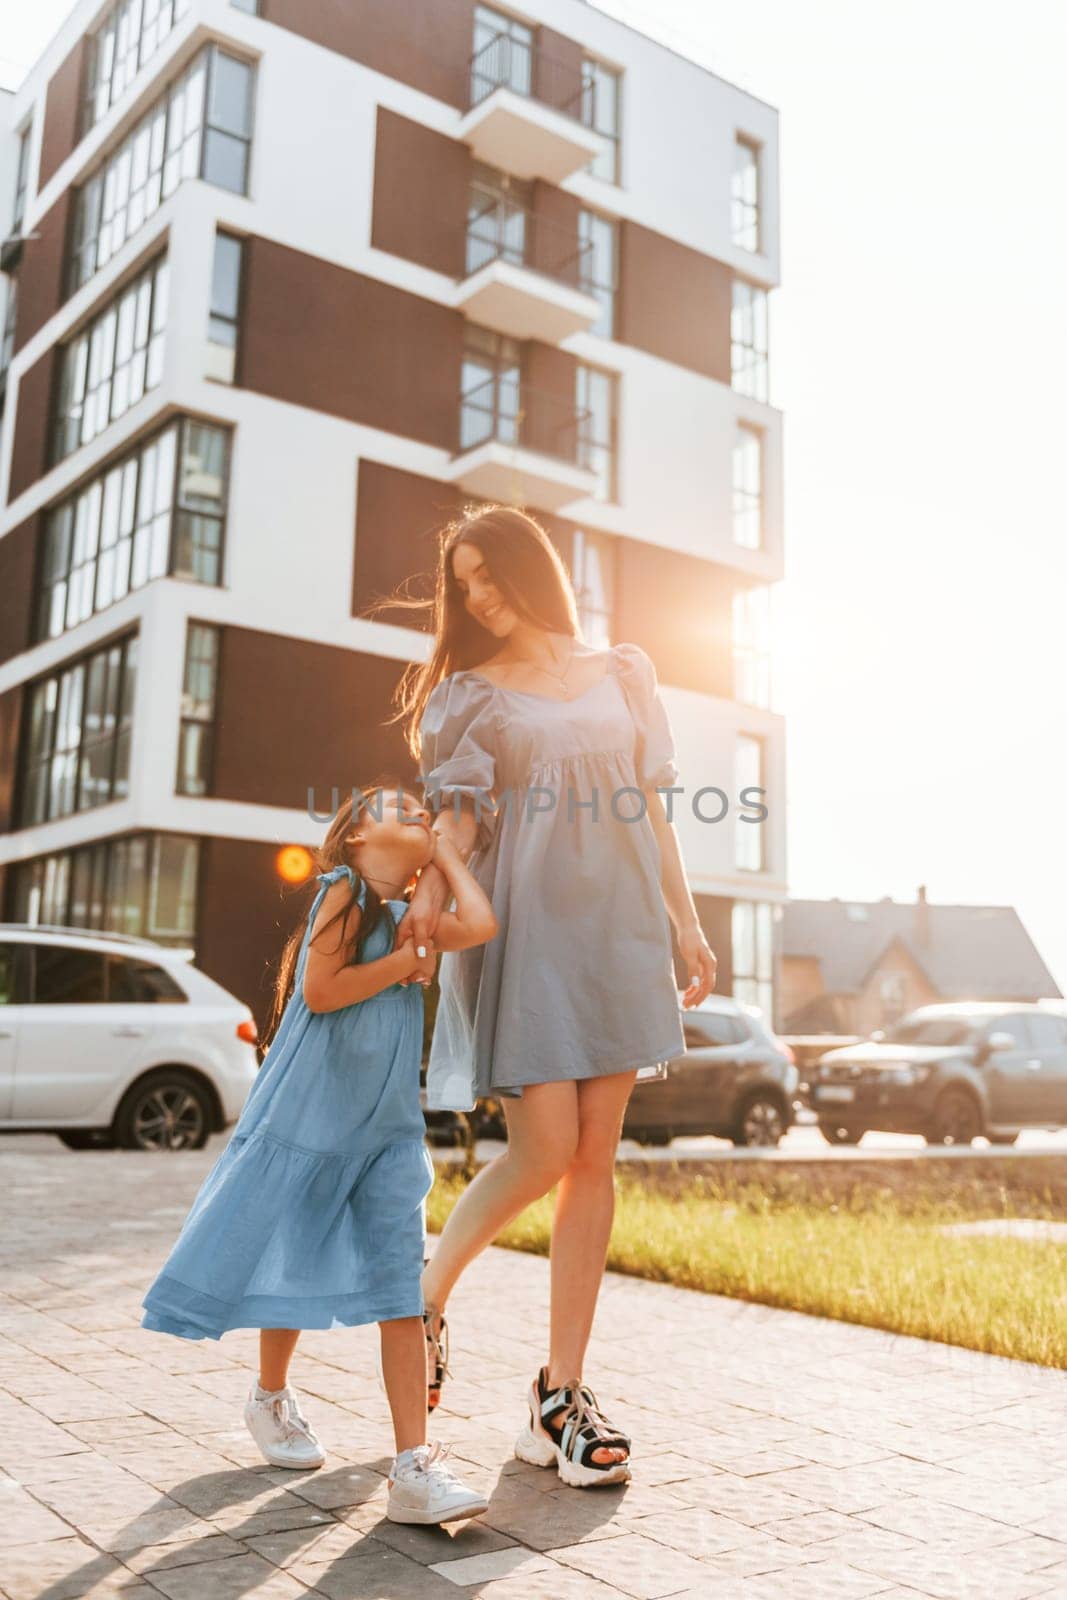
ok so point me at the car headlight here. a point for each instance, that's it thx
(911, 1073)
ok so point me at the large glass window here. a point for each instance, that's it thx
(748, 340)
(752, 942)
(597, 237)
(601, 112)
(593, 579)
(497, 210)
(196, 736)
(503, 54)
(744, 195)
(752, 646)
(141, 884)
(491, 388)
(130, 34)
(22, 180)
(596, 402)
(189, 133)
(78, 746)
(225, 306)
(748, 774)
(11, 311)
(112, 362)
(747, 487)
(159, 510)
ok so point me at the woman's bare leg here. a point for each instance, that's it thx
(276, 1346)
(581, 1227)
(542, 1140)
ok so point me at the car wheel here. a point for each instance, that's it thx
(87, 1139)
(658, 1138)
(956, 1120)
(840, 1135)
(166, 1110)
(760, 1121)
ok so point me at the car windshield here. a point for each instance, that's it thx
(931, 1030)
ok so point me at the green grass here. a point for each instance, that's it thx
(860, 1251)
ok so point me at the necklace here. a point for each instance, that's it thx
(557, 677)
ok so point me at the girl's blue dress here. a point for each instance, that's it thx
(314, 1214)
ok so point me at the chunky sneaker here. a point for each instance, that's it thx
(281, 1430)
(423, 1489)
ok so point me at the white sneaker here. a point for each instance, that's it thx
(425, 1490)
(281, 1430)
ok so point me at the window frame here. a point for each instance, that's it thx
(100, 856)
(236, 320)
(22, 181)
(605, 294)
(756, 369)
(614, 137)
(752, 983)
(88, 115)
(611, 497)
(753, 830)
(745, 141)
(608, 543)
(187, 721)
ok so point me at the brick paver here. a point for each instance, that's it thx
(776, 1455)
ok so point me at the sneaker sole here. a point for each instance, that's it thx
(425, 1518)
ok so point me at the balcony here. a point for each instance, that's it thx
(529, 114)
(521, 447)
(524, 275)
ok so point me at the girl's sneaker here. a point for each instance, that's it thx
(423, 1489)
(281, 1430)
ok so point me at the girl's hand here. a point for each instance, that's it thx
(700, 963)
(418, 925)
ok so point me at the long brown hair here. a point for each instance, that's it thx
(527, 569)
(332, 853)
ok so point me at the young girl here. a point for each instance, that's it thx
(314, 1214)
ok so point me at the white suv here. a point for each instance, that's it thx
(107, 1040)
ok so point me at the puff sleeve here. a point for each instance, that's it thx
(654, 752)
(458, 743)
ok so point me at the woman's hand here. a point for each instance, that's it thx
(419, 969)
(700, 963)
(419, 922)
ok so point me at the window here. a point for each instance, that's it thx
(597, 239)
(596, 427)
(141, 884)
(225, 306)
(116, 359)
(196, 736)
(175, 140)
(744, 195)
(752, 941)
(747, 485)
(503, 54)
(748, 340)
(157, 511)
(600, 111)
(22, 180)
(64, 977)
(251, 6)
(78, 738)
(1014, 1024)
(593, 575)
(748, 775)
(131, 32)
(497, 209)
(140, 983)
(1047, 1031)
(7, 340)
(7, 975)
(752, 646)
(714, 1030)
(491, 385)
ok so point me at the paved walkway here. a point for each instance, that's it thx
(776, 1455)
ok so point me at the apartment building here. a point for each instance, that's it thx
(286, 285)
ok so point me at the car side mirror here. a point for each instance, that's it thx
(999, 1041)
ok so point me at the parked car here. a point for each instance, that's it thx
(736, 1080)
(949, 1072)
(108, 1040)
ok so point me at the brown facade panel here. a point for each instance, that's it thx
(550, 376)
(424, 43)
(10, 722)
(41, 272)
(716, 919)
(553, 247)
(398, 516)
(62, 114)
(674, 302)
(679, 609)
(18, 558)
(293, 716)
(421, 188)
(557, 70)
(244, 917)
(319, 335)
(33, 409)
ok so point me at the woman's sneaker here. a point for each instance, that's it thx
(423, 1489)
(281, 1430)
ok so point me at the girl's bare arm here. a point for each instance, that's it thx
(473, 922)
(328, 983)
(433, 891)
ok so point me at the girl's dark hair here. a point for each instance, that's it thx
(527, 569)
(332, 853)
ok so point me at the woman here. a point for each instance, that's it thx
(556, 1014)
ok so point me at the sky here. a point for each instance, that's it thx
(918, 352)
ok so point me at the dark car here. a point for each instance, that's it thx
(736, 1081)
(949, 1072)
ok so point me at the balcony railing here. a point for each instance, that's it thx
(507, 63)
(507, 231)
(502, 411)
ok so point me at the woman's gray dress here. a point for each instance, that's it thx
(579, 979)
